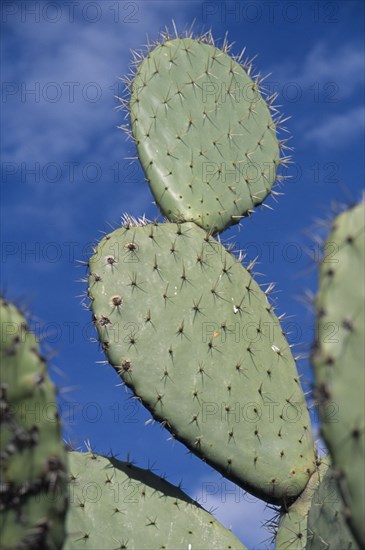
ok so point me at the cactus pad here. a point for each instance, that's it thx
(204, 134)
(32, 456)
(117, 505)
(339, 359)
(194, 336)
(316, 520)
(327, 525)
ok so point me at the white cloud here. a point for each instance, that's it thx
(326, 83)
(63, 59)
(82, 66)
(338, 131)
(342, 66)
(74, 129)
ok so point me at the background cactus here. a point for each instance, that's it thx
(32, 457)
(339, 359)
(333, 501)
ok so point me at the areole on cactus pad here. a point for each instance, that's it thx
(204, 133)
(194, 336)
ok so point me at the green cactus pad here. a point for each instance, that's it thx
(292, 529)
(339, 359)
(32, 457)
(117, 505)
(327, 525)
(316, 521)
(204, 134)
(194, 336)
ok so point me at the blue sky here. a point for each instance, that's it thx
(65, 179)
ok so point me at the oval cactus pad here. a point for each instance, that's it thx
(204, 134)
(194, 336)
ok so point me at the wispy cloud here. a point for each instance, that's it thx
(74, 83)
(342, 65)
(339, 131)
(60, 117)
(60, 84)
(321, 85)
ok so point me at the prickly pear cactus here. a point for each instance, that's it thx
(339, 359)
(32, 457)
(316, 520)
(204, 133)
(117, 505)
(194, 336)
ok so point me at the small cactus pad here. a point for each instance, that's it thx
(339, 359)
(292, 529)
(191, 332)
(32, 457)
(117, 505)
(316, 519)
(327, 525)
(204, 134)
